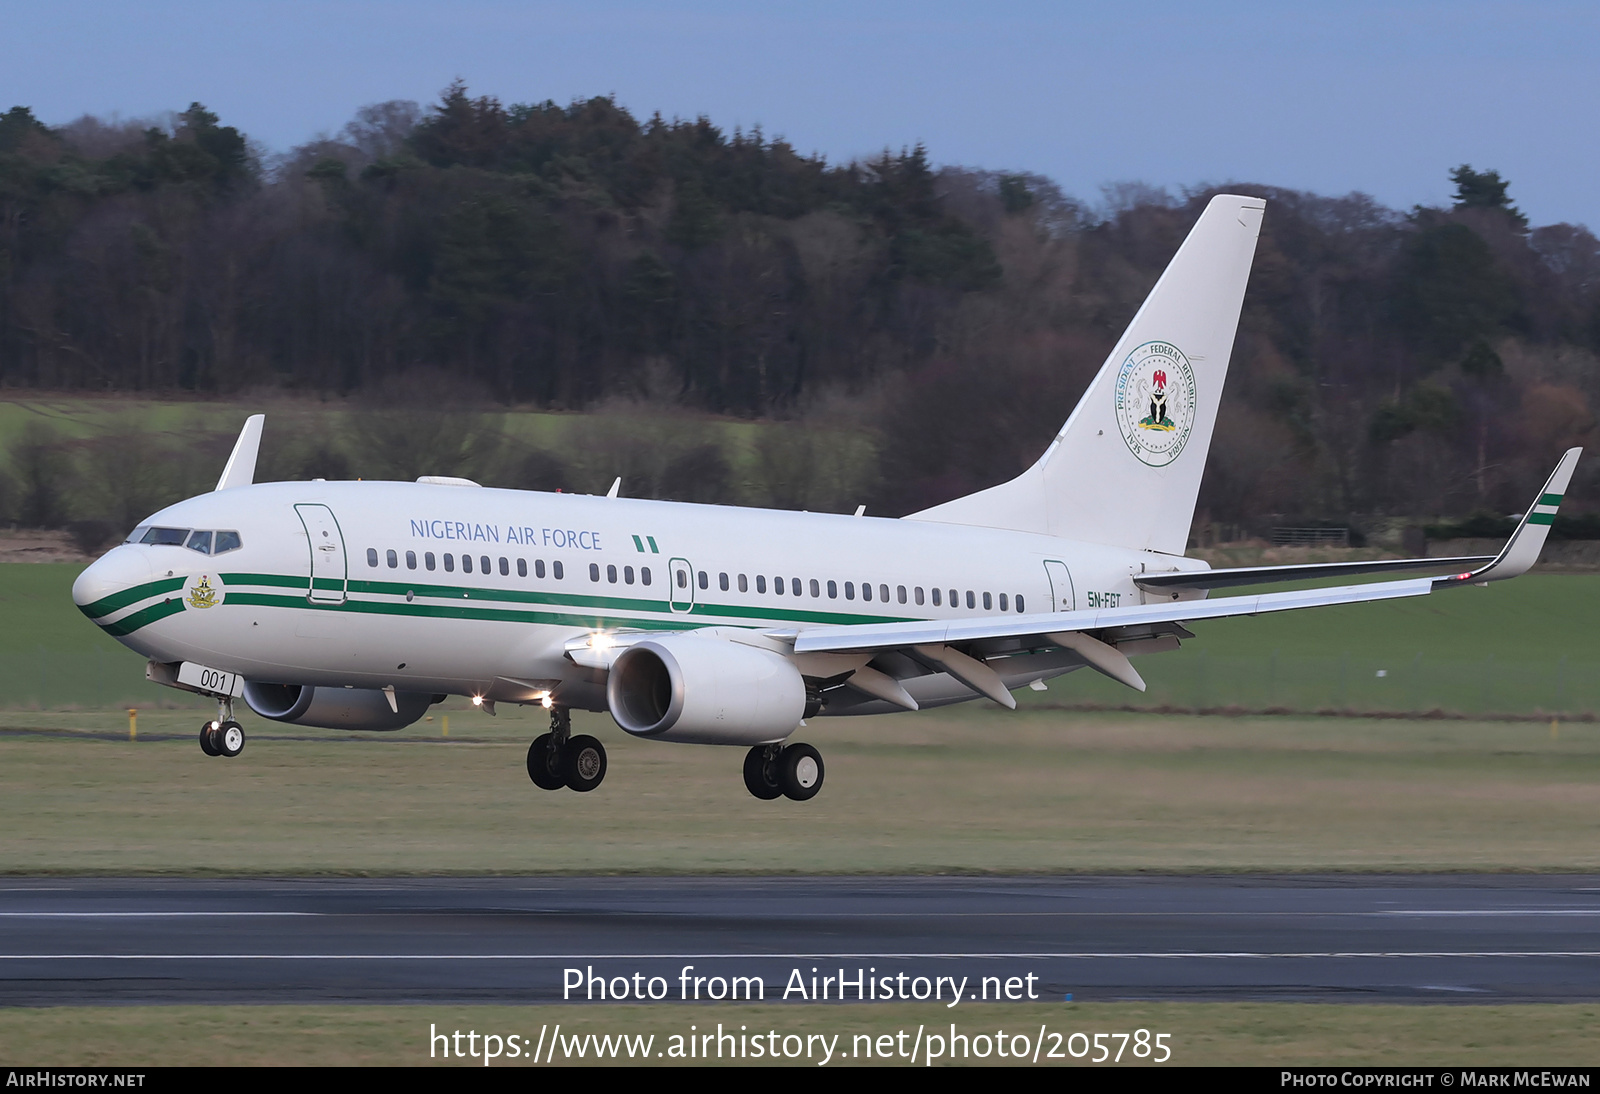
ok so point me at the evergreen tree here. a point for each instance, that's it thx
(1484, 190)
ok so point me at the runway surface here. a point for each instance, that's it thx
(511, 940)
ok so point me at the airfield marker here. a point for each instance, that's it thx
(133, 723)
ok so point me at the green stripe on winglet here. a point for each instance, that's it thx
(1541, 518)
(1549, 499)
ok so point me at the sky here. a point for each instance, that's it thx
(1383, 98)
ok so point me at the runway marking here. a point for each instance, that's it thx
(1032, 956)
(143, 915)
(389, 913)
(1496, 912)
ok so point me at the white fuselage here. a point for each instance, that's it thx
(433, 588)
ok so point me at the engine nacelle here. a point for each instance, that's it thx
(335, 708)
(706, 691)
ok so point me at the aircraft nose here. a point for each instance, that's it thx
(118, 569)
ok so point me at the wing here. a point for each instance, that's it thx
(1094, 636)
(1235, 576)
(1103, 638)
(1520, 552)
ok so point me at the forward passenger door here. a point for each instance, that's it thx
(330, 573)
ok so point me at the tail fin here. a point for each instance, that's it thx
(1125, 469)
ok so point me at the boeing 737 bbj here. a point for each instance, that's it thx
(356, 605)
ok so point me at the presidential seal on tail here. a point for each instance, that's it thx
(1155, 394)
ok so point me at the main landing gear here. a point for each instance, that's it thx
(222, 736)
(783, 771)
(558, 759)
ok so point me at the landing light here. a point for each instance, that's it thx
(477, 700)
(545, 701)
(601, 641)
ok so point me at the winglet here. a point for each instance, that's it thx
(1522, 549)
(241, 468)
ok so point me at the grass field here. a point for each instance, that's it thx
(961, 790)
(1248, 1034)
(1525, 648)
(967, 789)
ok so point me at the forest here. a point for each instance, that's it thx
(891, 331)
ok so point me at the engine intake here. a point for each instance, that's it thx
(335, 708)
(705, 691)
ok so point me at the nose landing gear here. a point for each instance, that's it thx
(558, 759)
(222, 736)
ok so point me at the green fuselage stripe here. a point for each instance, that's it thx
(548, 608)
(459, 611)
(555, 599)
(144, 616)
(108, 604)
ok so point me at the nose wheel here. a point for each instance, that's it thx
(222, 736)
(219, 738)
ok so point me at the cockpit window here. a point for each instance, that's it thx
(137, 535)
(202, 540)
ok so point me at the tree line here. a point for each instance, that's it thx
(471, 256)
